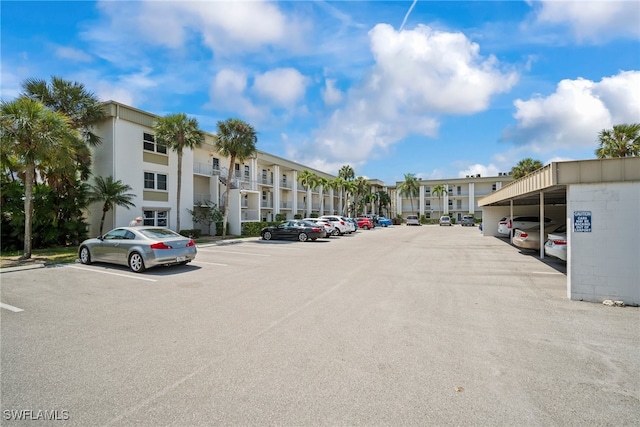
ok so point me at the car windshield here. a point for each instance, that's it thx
(158, 233)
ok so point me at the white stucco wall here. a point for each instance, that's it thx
(605, 263)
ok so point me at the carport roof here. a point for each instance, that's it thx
(554, 178)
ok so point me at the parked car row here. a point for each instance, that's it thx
(524, 232)
(320, 227)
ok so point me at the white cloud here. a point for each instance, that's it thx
(572, 116)
(593, 20)
(331, 94)
(418, 75)
(228, 92)
(69, 53)
(283, 86)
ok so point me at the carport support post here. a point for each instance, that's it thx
(542, 225)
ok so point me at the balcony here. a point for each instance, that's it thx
(205, 169)
(285, 184)
(250, 215)
(200, 199)
(266, 181)
(266, 204)
(286, 205)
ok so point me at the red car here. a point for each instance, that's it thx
(365, 223)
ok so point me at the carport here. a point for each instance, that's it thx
(600, 202)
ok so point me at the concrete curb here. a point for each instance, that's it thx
(20, 268)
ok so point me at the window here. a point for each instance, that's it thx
(458, 204)
(155, 181)
(246, 173)
(427, 202)
(459, 190)
(158, 218)
(493, 187)
(149, 144)
(427, 191)
(216, 164)
(450, 202)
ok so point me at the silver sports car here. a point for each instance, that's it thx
(139, 248)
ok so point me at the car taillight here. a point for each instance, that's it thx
(342, 222)
(559, 242)
(191, 243)
(523, 235)
(160, 245)
(315, 229)
(509, 224)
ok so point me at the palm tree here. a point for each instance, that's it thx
(346, 172)
(178, 132)
(323, 183)
(409, 187)
(338, 184)
(525, 167)
(384, 200)
(237, 140)
(439, 190)
(621, 141)
(306, 179)
(111, 193)
(363, 189)
(82, 108)
(349, 190)
(34, 135)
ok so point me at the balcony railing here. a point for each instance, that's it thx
(266, 203)
(285, 184)
(266, 181)
(286, 205)
(205, 169)
(201, 198)
(250, 215)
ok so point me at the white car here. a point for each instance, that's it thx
(351, 225)
(507, 225)
(328, 226)
(339, 223)
(413, 220)
(556, 245)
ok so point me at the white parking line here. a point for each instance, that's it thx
(10, 307)
(232, 252)
(210, 263)
(546, 272)
(108, 272)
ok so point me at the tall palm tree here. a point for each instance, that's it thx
(363, 189)
(409, 187)
(525, 167)
(237, 140)
(33, 135)
(83, 109)
(178, 132)
(111, 193)
(323, 183)
(306, 179)
(350, 189)
(338, 184)
(384, 200)
(439, 190)
(346, 172)
(621, 141)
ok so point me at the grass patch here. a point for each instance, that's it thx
(62, 255)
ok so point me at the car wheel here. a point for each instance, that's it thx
(136, 263)
(303, 237)
(266, 235)
(366, 227)
(85, 255)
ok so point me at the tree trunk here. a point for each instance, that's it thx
(226, 197)
(30, 174)
(104, 214)
(179, 189)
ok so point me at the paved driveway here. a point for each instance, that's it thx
(397, 326)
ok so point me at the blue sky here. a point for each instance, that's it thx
(439, 89)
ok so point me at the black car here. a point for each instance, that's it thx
(293, 230)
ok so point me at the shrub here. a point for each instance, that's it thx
(297, 216)
(281, 217)
(252, 229)
(193, 233)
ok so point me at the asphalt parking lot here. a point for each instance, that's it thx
(395, 326)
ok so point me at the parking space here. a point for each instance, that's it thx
(361, 329)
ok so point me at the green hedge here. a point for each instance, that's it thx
(252, 229)
(194, 233)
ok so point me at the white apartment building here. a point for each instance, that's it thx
(460, 198)
(263, 186)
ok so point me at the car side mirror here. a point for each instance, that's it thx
(100, 237)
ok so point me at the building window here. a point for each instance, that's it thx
(450, 203)
(427, 191)
(493, 187)
(237, 170)
(246, 173)
(458, 204)
(427, 202)
(157, 218)
(264, 195)
(459, 190)
(155, 181)
(149, 144)
(284, 179)
(216, 164)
